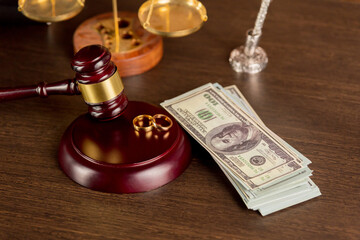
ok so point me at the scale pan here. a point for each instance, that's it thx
(172, 18)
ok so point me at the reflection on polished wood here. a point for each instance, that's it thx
(309, 94)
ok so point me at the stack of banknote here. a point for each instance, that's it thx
(267, 172)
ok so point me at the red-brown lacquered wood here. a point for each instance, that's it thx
(93, 65)
(111, 156)
(43, 89)
(110, 109)
(139, 50)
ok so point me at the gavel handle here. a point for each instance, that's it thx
(65, 87)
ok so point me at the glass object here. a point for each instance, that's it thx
(251, 58)
(50, 10)
(172, 18)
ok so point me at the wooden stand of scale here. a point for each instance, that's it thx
(133, 49)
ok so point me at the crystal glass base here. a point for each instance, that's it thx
(241, 62)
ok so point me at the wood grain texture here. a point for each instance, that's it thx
(309, 94)
(65, 87)
(139, 50)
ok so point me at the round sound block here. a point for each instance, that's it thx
(111, 156)
(139, 50)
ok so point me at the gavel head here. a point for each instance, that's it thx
(99, 82)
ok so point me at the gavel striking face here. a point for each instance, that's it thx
(96, 79)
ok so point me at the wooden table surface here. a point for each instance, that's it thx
(309, 94)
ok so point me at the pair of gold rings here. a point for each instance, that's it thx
(147, 123)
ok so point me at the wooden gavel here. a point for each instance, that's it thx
(97, 80)
(121, 155)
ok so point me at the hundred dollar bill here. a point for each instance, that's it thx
(291, 199)
(278, 196)
(245, 147)
(239, 98)
(282, 184)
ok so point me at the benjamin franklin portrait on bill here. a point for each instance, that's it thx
(233, 138)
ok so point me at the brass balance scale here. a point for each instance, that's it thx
(50, 10)
(172, 18)
(134, 40)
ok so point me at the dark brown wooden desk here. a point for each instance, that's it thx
(309, 94)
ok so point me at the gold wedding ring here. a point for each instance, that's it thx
(162, 122)
(143, 123)
(146, 123)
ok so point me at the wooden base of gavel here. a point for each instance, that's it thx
(104, 149)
